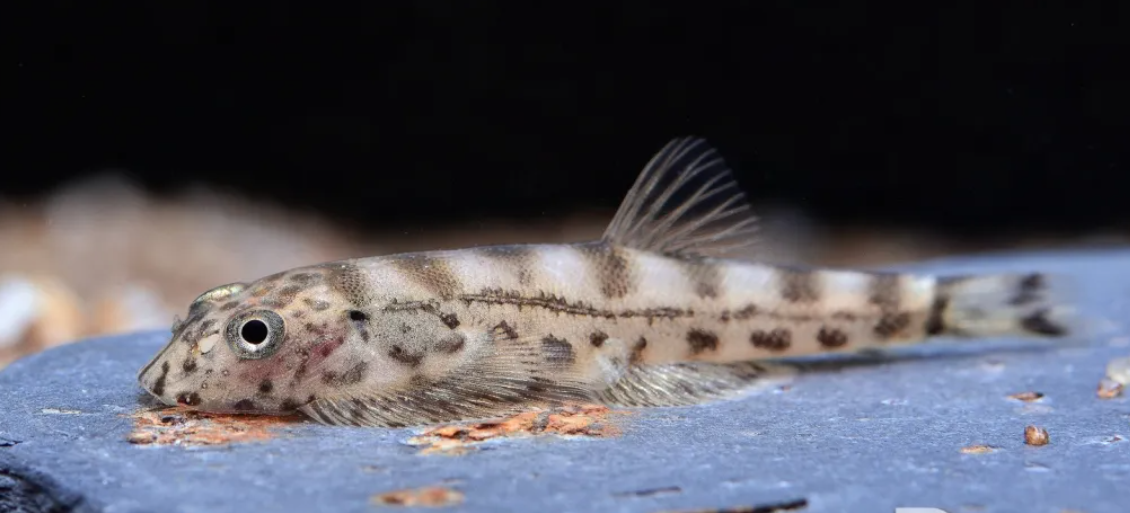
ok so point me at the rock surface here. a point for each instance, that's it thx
(935, 427)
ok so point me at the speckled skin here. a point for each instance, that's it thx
(631, 319)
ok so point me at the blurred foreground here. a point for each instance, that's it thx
(102, 257)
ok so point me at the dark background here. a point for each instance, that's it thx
(963, 118)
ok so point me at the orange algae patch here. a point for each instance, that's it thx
(177, 426)
(573, 420)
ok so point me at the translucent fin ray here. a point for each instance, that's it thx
(685, 202)
(689, 383)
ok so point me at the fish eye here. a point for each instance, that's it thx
(256, 334)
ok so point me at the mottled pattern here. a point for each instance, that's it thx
(651, 314)
(433, 274)
(798, 286)
(611, 267)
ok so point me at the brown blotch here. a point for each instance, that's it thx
(229, 305)
(557, 351)
(350, 282)
(289, 404)
(159, 385)
(517, 259)
(450, 320)
(885, 291)
(305, 278)
(1028, 289)
(613, 271)
(266, 386)
(798, 286)
(188, 398)
(284, 297)
(597, 338)
(704, 276)
(1038, 322)
(778, 339)
(935, 322)
(450, 344)
(244, 405)
(316, 304)
(831, 337)
(505, 330)
(434, 274)
(892, 323)
(702, 340)
(637, 351)
(189, 365)
(398, 354)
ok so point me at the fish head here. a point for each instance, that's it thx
(254, 348)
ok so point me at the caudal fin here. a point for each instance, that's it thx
(1019, 305)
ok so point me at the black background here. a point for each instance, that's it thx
(971, 117)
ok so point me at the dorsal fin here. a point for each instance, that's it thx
(685, 202)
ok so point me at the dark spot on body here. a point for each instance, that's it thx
(189, 365)
(597, 338)
(451, 344)
(517, 259)
(778, 339)
(188, 398)
(892, 323)
(433, 274)
(611, 267)
(349, 281)
(935, 321)
(305, 278)
(244, 405)
(284, 297)
(354, 375)
(702, 340)
(1038, 322)
(289, 404)
(316, 305)
(704, 276)
(637, 351)
(557, 351)
(159, 385)
(398, 354)
(1028, 289)
(798, 286)
(885, 291)
(265, 386)
(358, 316)
(505, 330)
(831, 337)
(450, 320)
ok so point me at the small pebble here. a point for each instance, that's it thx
(1034, 435)
(141, 437)
(1109, 389)
(1027, 396)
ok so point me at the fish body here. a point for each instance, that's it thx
(655, 313)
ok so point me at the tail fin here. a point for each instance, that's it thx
(1017, 305)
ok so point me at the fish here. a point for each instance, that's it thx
(669, 307)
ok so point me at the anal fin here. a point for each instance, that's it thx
(689, 383)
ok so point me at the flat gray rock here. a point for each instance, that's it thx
(865, 438)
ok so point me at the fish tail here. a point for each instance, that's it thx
(1033, 305)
